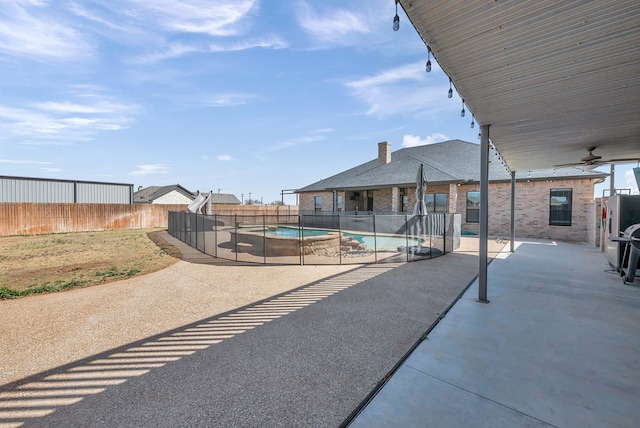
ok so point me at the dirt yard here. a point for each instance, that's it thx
(44, 263)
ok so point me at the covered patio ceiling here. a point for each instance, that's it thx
(549, 78)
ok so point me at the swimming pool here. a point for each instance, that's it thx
(371, 241)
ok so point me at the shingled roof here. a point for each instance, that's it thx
(151, 193)
(224, 199)
(453, 161)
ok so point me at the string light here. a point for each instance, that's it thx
(428, 66)
(396, 19)
(473, 123)
(450, 94)
(462, 112)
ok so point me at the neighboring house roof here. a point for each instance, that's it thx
(151, 193)
(453, 161)
(224, 199)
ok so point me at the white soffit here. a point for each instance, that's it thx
(550, 77)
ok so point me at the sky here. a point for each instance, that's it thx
(234, 96)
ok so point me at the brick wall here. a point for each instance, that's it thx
(306, 201)
(531, 208)
(382, 200)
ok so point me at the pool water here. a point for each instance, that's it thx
(379, 241)
(292, 232)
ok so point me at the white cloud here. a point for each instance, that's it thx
(413, 140)
(147, 169)
(324, 130)
(23, 162)
(224, 157)
(170, 51)
(336, 26)
(229, 100)
(66, 121)
(214, 18)
(314, 136)
(29, 29)
(630, 179)
(400, 90)
(34, 143)
(270, 42)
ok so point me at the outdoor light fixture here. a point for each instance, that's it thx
(450, 94)
(428, 67)
(462, 112)
(396, 19)
(473, 123)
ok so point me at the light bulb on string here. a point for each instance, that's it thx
(428, 66)
(450, 94)
(396, 19)
(473, 123)
(462, 112)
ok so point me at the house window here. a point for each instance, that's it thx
(473, 207)
(560, 207)
(339, 202)
(436, 203)
(317, 203)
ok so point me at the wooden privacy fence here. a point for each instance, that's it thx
(42, 218)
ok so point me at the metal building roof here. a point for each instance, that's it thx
(550, 78)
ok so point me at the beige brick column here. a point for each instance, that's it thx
(453, 198)
(395, 197)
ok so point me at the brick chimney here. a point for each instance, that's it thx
(384, 153)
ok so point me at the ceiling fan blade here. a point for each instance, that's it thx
(623, 160)
(575, 164)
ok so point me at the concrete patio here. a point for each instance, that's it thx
(558, 345)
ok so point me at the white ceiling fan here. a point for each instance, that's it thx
(591, 161)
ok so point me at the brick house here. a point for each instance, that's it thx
(551, 204)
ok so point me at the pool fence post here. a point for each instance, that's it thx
(235, 244)
(339, 239)
(264, 237)
(300, 237)
(375, 240)
(406, 235)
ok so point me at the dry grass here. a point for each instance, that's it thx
(45, 263)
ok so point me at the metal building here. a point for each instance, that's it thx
(46, 190)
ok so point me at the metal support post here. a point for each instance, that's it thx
(513, 212)
(484, 212)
